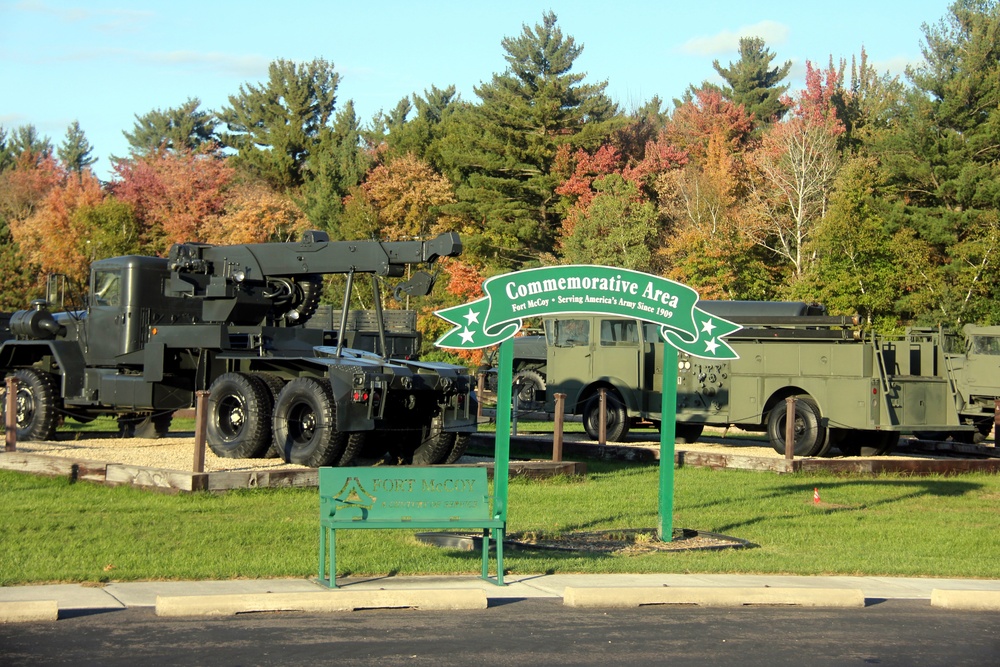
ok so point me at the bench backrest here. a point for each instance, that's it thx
(400, 495)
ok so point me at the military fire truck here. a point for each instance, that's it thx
(856, 392)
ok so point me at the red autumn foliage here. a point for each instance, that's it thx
(660, 156)
(709, 118)
(176, 195)
(585, 169)
(816, 101)
(464, 280)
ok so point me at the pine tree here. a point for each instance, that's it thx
(176, 129)
(336, 164)
(752, 82)
(7, 157)
(501, 152)
(26, 140)
(420, 135)
(75, 150)
(944, 158)
(275, 127)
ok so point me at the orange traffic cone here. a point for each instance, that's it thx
(816, 494)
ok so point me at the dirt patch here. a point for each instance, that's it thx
(628, 541)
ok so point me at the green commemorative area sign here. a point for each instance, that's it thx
(603, 290)
(511, 297)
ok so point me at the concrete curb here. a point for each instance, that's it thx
(713, 597)
(968, 600)
(323, 601)
(29, 611)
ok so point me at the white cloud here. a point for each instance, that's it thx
(224, 63)
(8, 120)
(103, 20)
(728, 41)
(206, 62)
(896, 66)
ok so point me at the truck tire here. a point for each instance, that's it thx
(810, 434)
(238, 417)
(617, 424)
(37, 405)
(530, 381)
(308, 290)
(305, 424)
(887, 442)
(435, 446)
(685, 434)
(843, 439)
(869, 443)
(355, 444)
(462, 441)
(273, 384)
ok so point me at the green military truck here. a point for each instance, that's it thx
(394, 335)
(854, 392)
(154, 331)
(972, 362)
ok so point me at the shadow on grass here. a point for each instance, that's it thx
(904, 490)
(946, 488)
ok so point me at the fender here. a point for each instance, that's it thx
(629, 394)
(64, 354)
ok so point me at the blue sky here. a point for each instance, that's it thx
(102, 62)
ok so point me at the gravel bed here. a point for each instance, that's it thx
(170, 453)
(176, 452)
(731, 441)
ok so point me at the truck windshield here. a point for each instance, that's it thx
(568, 333)
(986, 345)
(107, 288)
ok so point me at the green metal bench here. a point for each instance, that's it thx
(411, 498)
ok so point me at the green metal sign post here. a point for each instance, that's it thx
(668, 429)
(511, 297)
(501, 455)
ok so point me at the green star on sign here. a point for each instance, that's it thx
(601, 290)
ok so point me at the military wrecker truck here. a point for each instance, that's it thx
(853, 391)
(396, 330)
(227, 319)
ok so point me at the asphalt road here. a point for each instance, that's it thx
(521, 632)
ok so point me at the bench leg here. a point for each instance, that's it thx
(332, 541)
(322, 557)
(498, 537)
(486, 554)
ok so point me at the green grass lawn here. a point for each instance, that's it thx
(54, 530)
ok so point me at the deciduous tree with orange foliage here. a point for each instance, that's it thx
(254, 213)
(399, 200)
(24, 185)
(54, 237)
(704, 244)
